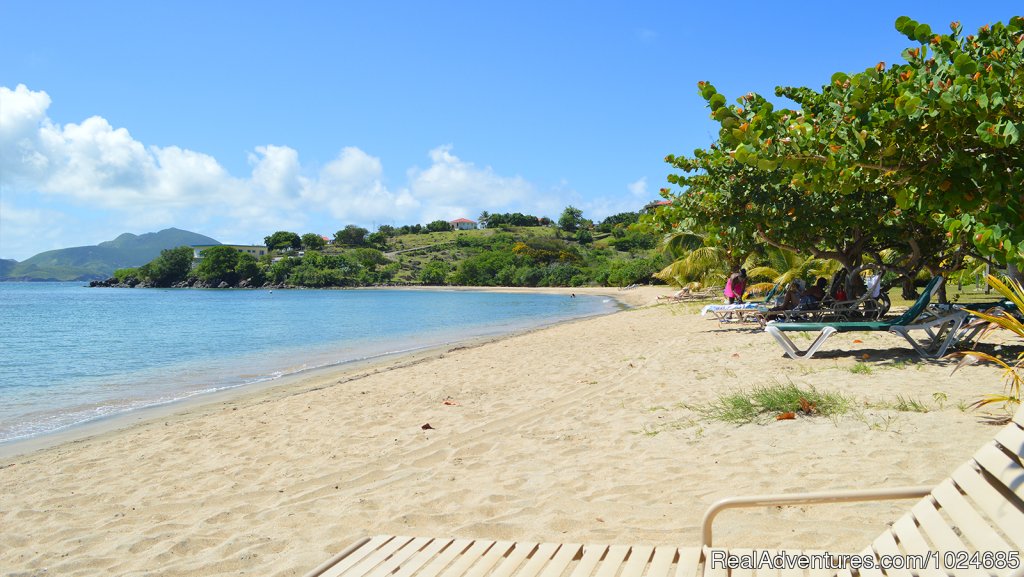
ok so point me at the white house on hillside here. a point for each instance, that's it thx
(462, 224)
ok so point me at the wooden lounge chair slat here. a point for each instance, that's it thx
(742, 571)
(1012, 438)
(638, 558)
(885, 544)
(491, 558)
(661, 563)
(465, 560)
(712, 569)
(612, 561)
(445, 557)
(368, 555)
(401, 555)
(771, 571)
(965, 518)
(1006, 515)
(561, 560)
(821, 571)
(425, 555)
(540, 559)
(916, 547)
(939, 532)
(689, 562)
(514, 559)
(591, 557)
(874, 571)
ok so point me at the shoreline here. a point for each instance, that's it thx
(120, 421)
(588, 431)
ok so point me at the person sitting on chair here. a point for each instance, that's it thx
(812, 298)
(818, 290)
(789, 301)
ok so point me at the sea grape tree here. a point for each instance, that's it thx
(933, 143)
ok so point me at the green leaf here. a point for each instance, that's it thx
(923, 33)
(742, 151)
(907, 27)
(986, 131)
(716, 101)
(965, 64)
(839, 78)
(902, 198)
(1011, 134)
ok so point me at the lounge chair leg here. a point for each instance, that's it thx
(790, 348)
(941, 334)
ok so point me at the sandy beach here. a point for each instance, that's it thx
(588, 431)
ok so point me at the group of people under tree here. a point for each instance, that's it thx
(844, 287)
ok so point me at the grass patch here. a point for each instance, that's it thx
(861, 369)
(907, 405)
(764, 404)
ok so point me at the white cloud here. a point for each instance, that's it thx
(452, 187)
(92, 172)
(638, 188)
(351, 188)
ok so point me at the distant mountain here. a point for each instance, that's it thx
(6, 266)
(99, 261)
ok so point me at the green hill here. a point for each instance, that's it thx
(100, 261)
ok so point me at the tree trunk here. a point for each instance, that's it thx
(909, 290)
(1014, 273)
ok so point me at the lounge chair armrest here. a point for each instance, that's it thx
(805, 499)
(323, 567)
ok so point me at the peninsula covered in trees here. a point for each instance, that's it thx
(510, 249)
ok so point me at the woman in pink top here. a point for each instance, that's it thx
(735, 286)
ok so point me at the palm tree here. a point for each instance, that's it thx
(781, 267)
(702, 260)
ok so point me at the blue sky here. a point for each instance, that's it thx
(237, 119)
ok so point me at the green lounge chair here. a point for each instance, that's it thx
(970, 524)
(941, 327)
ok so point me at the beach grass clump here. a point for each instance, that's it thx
(775, 402)
(861, 369)
(908, 405)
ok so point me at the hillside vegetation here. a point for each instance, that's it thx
(617, 252)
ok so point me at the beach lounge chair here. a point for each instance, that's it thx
(972, 329)
(748, 312)
(940, 326)
(744, 313)
(869, 306)
(972, 523)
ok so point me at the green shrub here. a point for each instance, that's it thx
(764, 404)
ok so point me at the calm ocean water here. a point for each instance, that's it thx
(71, 355)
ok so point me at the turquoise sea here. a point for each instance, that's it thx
(71, 355)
